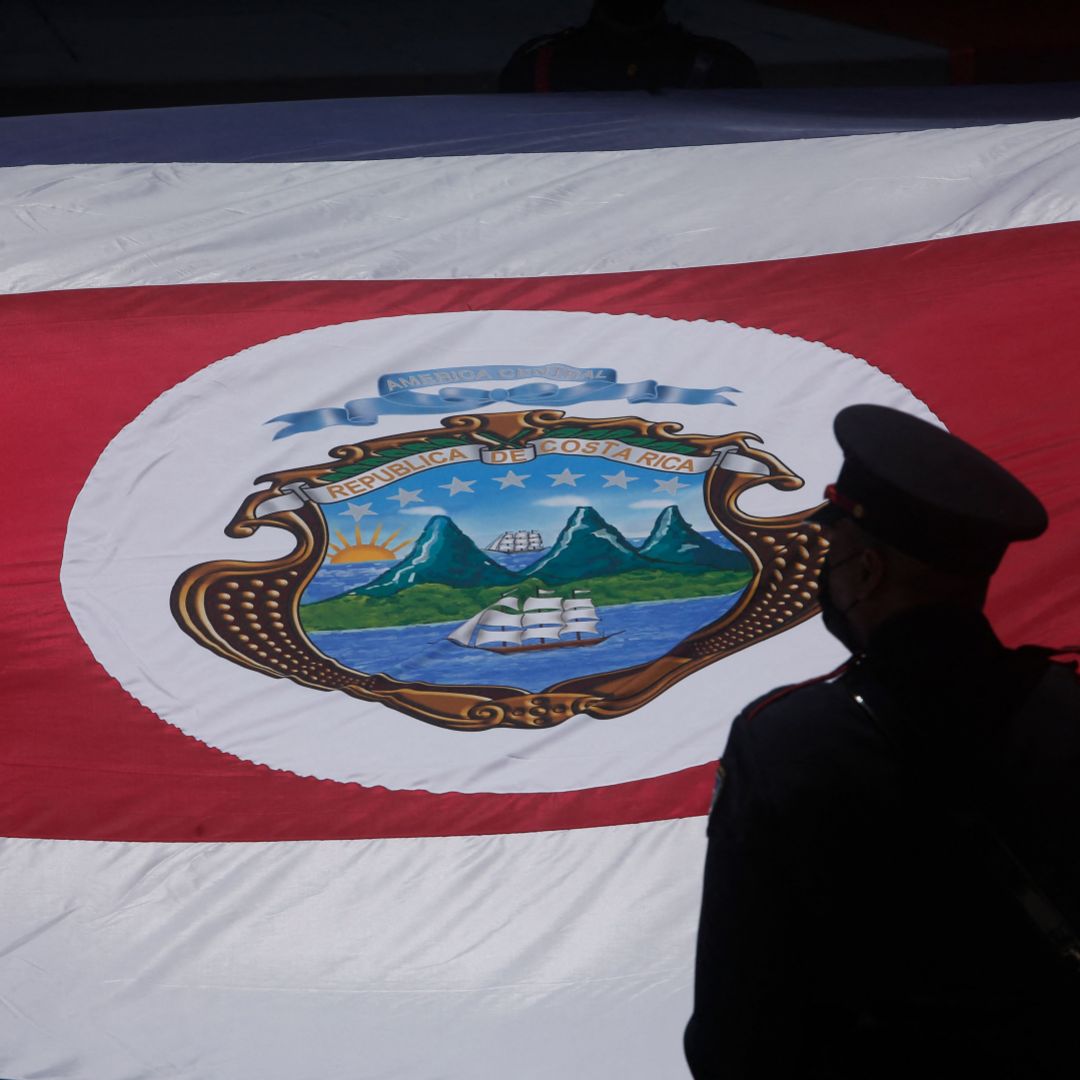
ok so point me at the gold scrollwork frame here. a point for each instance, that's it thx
(249, 612)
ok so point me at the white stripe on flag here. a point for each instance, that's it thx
(527, 215)
(451, 958)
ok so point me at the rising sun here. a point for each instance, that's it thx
(361, 550)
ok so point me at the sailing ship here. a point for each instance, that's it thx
(544, 621)
(517, 540)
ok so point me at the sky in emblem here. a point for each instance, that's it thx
(486, 500)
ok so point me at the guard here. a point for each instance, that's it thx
(626, 45)
(892, 884)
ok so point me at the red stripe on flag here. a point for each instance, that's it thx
(982, 328)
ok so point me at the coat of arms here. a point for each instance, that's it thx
(510, 569)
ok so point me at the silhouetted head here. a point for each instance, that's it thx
(916, 517)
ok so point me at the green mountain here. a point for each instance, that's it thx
(587, 547)
(442, 555)
(673, 540)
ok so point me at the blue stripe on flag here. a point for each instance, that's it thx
(404, 127)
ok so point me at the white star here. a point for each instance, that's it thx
(404, 497)
(456, 486)
(619, 479)
(565, 477)
(358, 513)
(511, 479)
(672, 486)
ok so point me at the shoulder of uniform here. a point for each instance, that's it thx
(792, 722)
(793, 747)
(820, 688)
(792, 706)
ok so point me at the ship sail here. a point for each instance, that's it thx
(498, 637)
(580, 616)
(542, 619)
(551, 617)
(544, 603)
(579, 603)
(463, 634)
(495, 617)
(490, 616)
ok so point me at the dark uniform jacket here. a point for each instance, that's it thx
(847, 928)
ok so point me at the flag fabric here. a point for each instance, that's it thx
(391, 541)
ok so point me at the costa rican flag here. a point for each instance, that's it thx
(278, 377)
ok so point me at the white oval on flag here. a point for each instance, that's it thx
(158, 499)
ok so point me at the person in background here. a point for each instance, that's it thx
(626, 45)
(892, 883)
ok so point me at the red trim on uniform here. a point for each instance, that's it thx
(542, 72)
(837, 498)
(783, 691)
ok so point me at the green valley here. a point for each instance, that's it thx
(432, 602)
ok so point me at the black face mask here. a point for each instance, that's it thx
(836, 619)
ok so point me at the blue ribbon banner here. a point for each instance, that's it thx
(396, 395)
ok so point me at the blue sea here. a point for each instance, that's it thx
(639, 633)
(335, 579)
